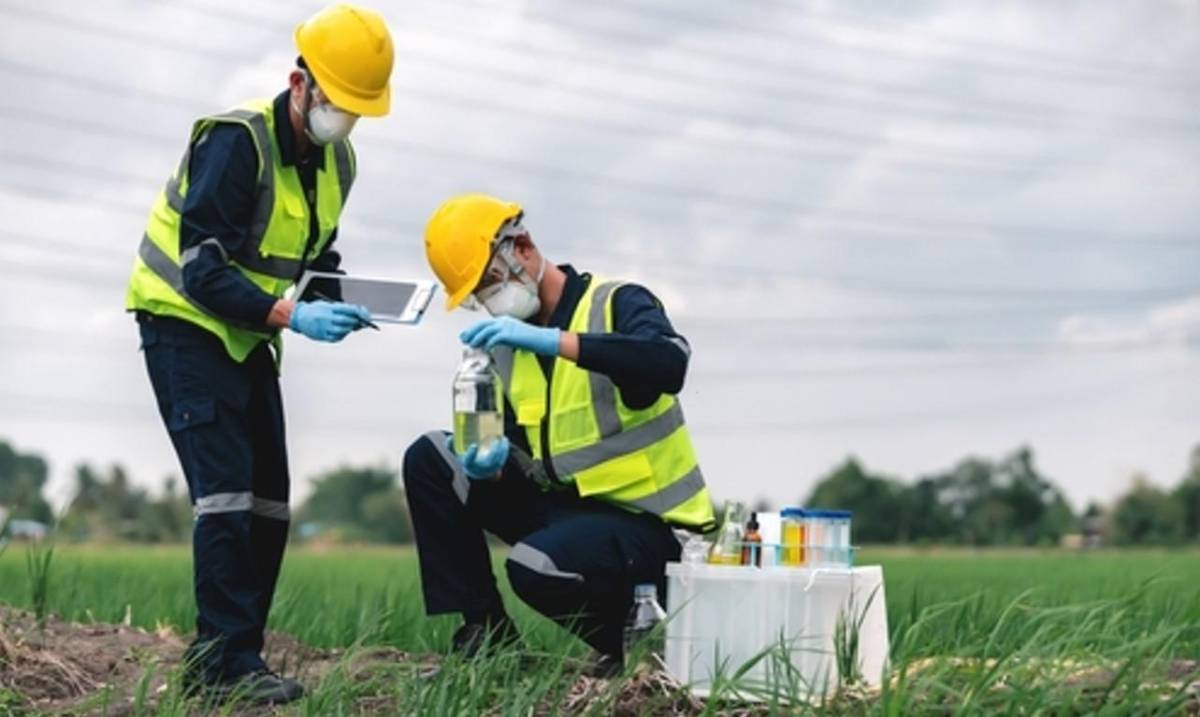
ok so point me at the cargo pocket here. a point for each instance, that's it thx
(190, 413)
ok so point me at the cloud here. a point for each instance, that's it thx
(774, 178)
(1170, 324)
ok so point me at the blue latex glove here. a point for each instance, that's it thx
(327, 321)
(507, 331)
(482, 466)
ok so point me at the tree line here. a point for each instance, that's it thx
(1006, 502)
(977, 502)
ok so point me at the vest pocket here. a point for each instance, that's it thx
(530, 413)
(614, 475)
(287, 232)
(573, 427)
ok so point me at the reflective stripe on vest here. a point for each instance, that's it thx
(172, 274)
(249, 255)
(614, 441)
(275, 245)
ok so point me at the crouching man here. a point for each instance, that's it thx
(596, 465)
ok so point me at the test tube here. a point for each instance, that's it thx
(793, 539)
(840, 537)
(815, 525)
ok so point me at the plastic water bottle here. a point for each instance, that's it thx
(478, 402)
(642, 628)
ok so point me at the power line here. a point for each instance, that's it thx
(636, 130)
(980, 106)
(74, 22)
(978, 111)
(855, 283)
(911, 29)
(870, 285)
(692, 111)
(851, 282)
(1035, 403)
(638, 101)
(54, 243)
(727, 23)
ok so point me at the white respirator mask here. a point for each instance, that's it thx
(323, 122)
(519, 298)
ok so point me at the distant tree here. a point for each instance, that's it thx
(365, 502)
(1041, 513)
(107, 506)
(1187, 495)
(22, 478)
(981, 502)
(930, 518)
(877, 502)
(1146, 515)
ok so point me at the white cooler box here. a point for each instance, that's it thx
(721, 617)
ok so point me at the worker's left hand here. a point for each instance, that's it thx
(484, 465)
(507, 331)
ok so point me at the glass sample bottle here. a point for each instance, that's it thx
(727, 550)
(478, 402)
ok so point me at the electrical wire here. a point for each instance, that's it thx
(727, 24)
(884, 222)
(846, 281)
(452, 25)
(639, 131)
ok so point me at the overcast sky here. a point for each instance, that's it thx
(909, 232)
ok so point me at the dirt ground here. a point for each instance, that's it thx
(78, 669)
(67, 667)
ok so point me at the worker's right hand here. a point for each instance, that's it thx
(327, 321)
(487, 464)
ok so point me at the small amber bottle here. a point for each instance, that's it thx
(752, 543)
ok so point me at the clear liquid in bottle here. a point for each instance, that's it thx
(478, 402)
(483, 428)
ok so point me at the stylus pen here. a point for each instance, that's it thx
(364, 322)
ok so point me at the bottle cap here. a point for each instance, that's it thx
(645, 590)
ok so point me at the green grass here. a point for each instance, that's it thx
(999, 623)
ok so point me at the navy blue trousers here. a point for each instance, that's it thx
(225, 420)
(574, 560)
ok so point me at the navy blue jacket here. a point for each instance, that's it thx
(644, 356)
(222, 181)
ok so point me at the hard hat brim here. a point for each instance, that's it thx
(454, 300)
(378, 106)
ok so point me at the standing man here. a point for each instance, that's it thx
(597, 464)
(254, 203)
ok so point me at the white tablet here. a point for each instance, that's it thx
(390, 301)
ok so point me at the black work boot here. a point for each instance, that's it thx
(262, 687)
(474, 638)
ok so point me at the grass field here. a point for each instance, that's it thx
(990, 630)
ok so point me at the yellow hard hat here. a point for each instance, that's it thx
(349, 51)
(458, 241)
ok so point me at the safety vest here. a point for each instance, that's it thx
(639, 459)
(272, 255)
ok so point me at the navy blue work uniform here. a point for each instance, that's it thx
(225, 418)
(575, 560)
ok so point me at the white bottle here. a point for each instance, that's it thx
(643, 632)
